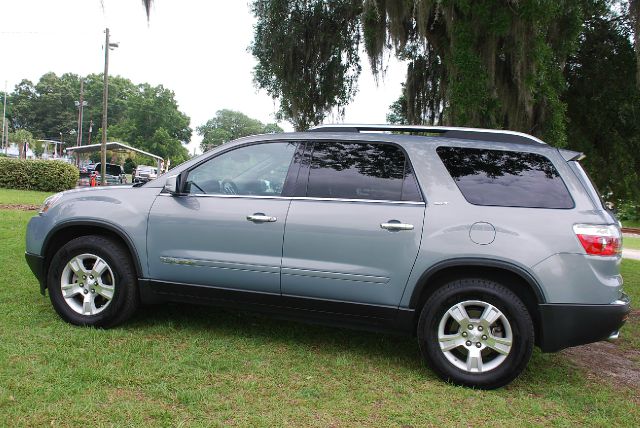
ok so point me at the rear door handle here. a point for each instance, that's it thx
(261, 218)
(396, 226)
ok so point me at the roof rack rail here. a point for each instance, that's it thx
(496, 135)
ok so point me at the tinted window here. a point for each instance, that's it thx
(360, 171)
(588, 183)
(111, 169)
(258, 170)
(114, 169)
(511, 179)
(410, 189)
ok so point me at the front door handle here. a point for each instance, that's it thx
(391, 225)
(261, 218)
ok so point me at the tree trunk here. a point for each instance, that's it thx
(634, 9)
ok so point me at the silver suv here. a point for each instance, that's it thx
(481, 243)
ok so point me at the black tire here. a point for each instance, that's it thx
(125, 298)
(494, 294)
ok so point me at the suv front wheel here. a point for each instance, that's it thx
(476, 332)
(92, 282)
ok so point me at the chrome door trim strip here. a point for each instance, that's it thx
(381, 280)
(301, 198)
(219, 264)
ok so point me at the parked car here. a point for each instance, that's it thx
(114, 174)
(87, 169)
(144, 173)
(481, 243)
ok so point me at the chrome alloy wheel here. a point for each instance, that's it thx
(475, 336)
(87, 284)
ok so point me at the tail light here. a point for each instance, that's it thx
(599, 240)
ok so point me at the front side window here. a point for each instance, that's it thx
(505, 178)
(259, 170)
(360, 171)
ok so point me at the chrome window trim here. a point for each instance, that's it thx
(298, 198)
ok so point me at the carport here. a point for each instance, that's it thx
(116, 147)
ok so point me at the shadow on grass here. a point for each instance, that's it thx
(263, 328)
(545, 373)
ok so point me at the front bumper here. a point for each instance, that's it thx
(36, 264)
(565, 325)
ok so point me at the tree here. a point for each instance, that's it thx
(163, 144)
(47, 108)
(136, 112)
(603, 103)
(229, 125)
(150, 108)
(152, 121)
(634, 10)
(398, 110)
(38, 148)
(19, 102)
(121, 90)
(307, 56)
(491, 64)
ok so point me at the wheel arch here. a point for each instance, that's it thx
(65, 232)
(512, 276)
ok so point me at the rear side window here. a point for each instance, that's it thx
(504, 178)
(588, 183)
(361, 171)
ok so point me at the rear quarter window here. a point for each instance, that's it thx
(506, 178)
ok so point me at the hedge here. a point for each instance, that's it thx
(43, 175)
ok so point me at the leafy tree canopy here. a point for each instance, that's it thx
(145, 116)
(228, 125)
(307, 54)
(603, 103)
(496, 64)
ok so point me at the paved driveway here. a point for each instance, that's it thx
(631, 254)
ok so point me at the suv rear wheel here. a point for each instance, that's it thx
(92, 282)
(476, 332)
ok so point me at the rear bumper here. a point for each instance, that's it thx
(36, 264)
(564, 325)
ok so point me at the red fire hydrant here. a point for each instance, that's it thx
(92, 180)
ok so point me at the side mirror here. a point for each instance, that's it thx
(171, 185)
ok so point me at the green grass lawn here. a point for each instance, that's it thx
(177, 365)
(629, 242)
(631, 223)
(12, 196)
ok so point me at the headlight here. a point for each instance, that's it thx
(49, 202)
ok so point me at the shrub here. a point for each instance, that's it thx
(129, 166)
(628, 211)
(43, 175)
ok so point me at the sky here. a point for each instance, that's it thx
(197, 48)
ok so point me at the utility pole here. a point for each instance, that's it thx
(81, 105)
(4, 113)
(90, 130)
(105, 96)
(6, 138)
